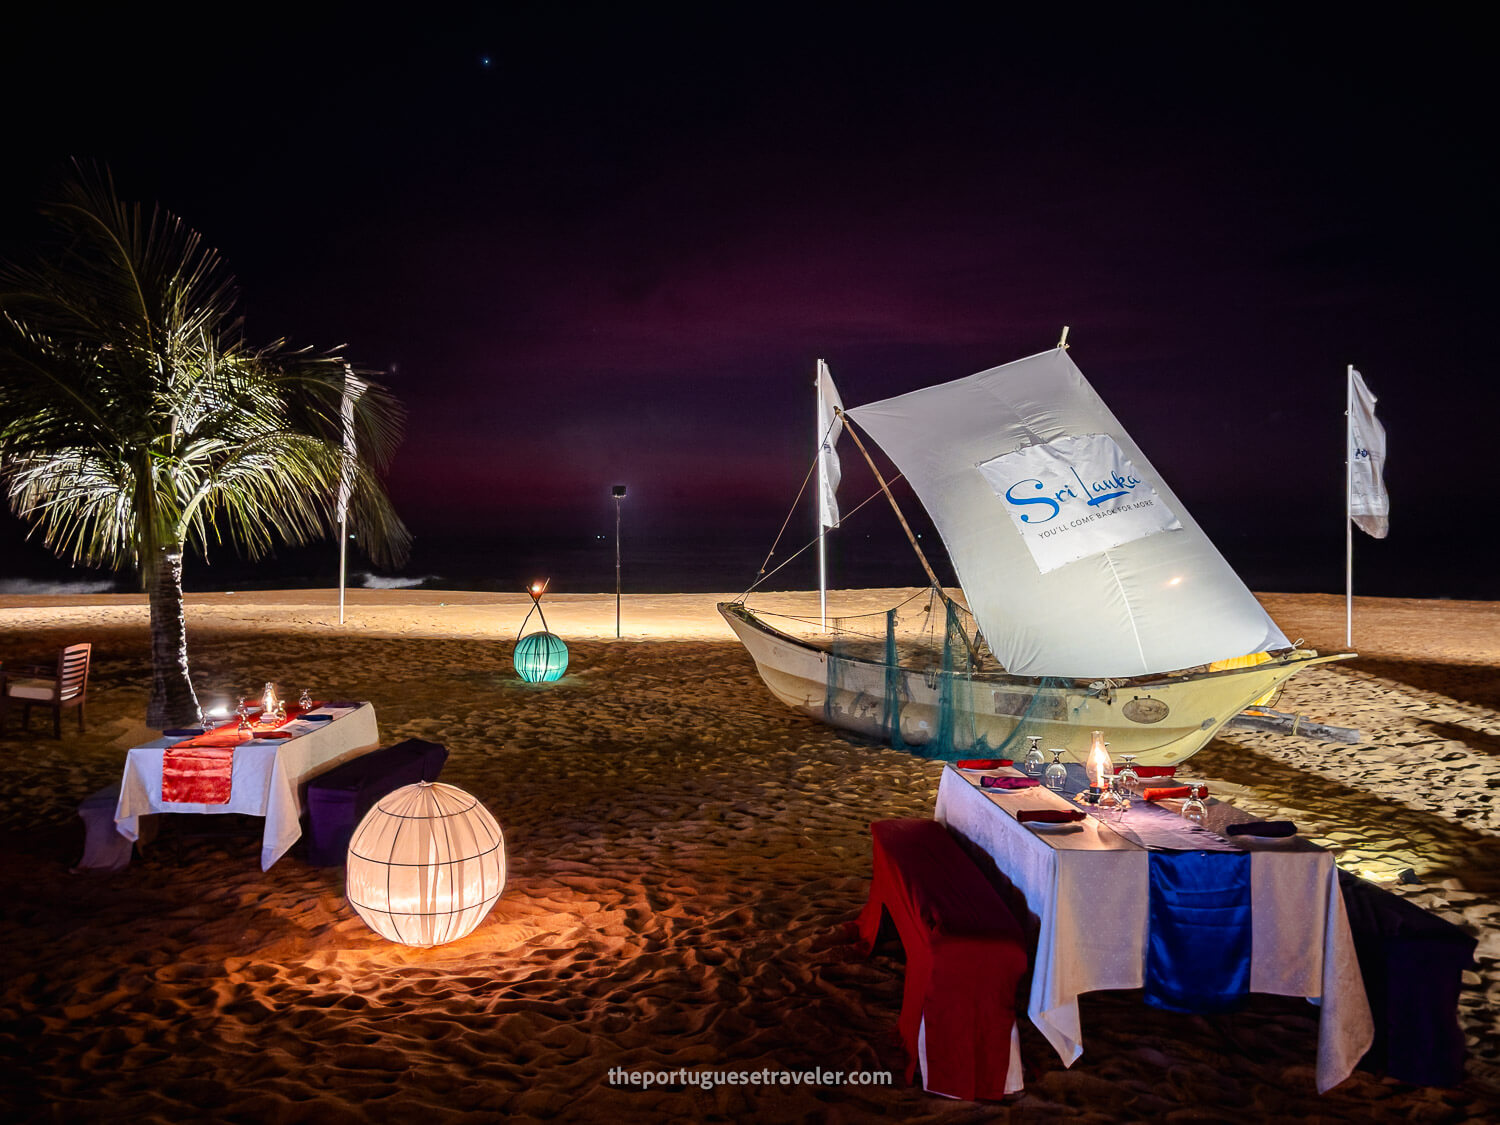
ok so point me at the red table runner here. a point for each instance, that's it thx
(200, 770)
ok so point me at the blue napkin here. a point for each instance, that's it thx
(315, 718)
(182, 732)
(1266, 828)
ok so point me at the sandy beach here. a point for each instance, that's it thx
(686, 859)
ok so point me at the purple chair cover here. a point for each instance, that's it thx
(338, 800)
(1413, 964)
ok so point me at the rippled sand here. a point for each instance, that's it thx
(686, 857)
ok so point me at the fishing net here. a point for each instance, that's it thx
(936, 646)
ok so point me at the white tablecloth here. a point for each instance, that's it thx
(269, 778)
(1089, 888)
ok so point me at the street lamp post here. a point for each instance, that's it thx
(619, 494)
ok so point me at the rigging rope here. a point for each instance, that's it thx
(764, 573)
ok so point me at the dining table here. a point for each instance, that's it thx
(267, 771)
(1088, 885)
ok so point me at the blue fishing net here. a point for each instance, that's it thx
(1033, 704)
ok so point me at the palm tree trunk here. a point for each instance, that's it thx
(173, 703)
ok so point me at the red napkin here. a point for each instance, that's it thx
(1008, 782)
(1048, 816)
(1152, 771)
(1172, 791)
(984, 763)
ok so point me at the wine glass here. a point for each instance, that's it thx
(1055, 777)
(1193, 809)
(1127, 776)
(243, 711)
(1109, 798)
(1122, 794)
(306, 700)
(1034, 762)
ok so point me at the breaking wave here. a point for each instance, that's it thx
(33, 586)
(380, 582)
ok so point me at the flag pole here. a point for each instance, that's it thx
(818, 508)
(1349, 507)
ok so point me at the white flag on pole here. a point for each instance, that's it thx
(830, 426)
(1369, 506)
(353, 388)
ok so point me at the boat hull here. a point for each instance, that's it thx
(1161, 723)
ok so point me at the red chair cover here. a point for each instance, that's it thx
(965, 956)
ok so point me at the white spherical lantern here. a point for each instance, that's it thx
(426, 864)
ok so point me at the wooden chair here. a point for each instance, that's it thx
(33, 686)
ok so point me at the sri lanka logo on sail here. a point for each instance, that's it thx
(1075, 496)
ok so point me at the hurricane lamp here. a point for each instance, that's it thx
(1101, 770)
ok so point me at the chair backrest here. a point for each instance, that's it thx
(73, 671)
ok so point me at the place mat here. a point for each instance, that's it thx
(197, 776)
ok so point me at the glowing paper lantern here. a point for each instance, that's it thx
(540, 657)
(425, 864)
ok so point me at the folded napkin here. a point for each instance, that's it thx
(316, 718)
(984, 763)
(342, 703)
(271, 734)
(182, 732)
(1048, 816)
(1008, 782)
(1152, 771)
(1268, 828)
(1165, 792)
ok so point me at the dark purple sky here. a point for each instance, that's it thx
(595, 247)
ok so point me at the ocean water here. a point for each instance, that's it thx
(732, 563)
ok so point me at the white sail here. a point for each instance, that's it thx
(1107, 575)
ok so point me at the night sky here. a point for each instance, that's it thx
(591, 247)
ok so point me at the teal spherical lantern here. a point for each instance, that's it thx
(540, 658)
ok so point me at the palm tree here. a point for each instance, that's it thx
(136, 421)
